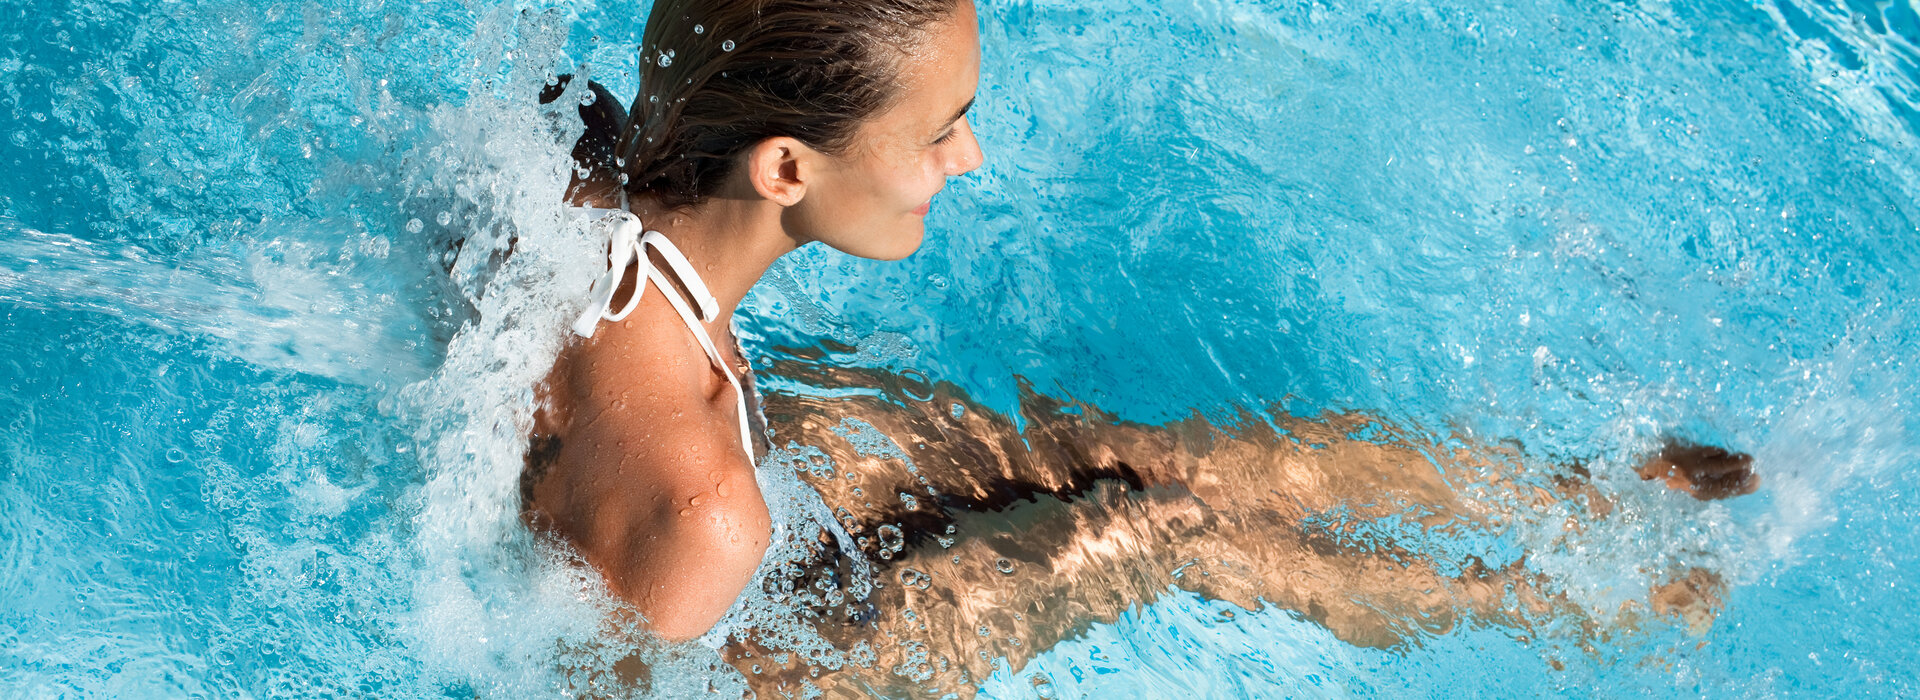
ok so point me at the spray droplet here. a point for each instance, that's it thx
(726, 45)
(416, 225)
(698, 29)
(665, 59)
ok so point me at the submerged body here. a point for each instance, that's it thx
(1005, 541)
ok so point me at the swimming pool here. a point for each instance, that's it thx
(261, 430)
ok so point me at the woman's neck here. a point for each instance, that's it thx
(730, 241)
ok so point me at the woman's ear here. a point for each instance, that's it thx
(780, 169)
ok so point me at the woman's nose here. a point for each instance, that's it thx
(969, 155)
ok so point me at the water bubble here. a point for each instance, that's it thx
(176, 455)
(699, 29)
(444, 218)
(892, 540)
(1042, 685)
(915, 579)
(909, 502)
(984, 631)
(1004, 565)
(416, 225)
(958, 410)
(726, 45)
(665, 59)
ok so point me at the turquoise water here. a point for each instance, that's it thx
(261, 435)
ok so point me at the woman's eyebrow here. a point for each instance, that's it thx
(963, 112)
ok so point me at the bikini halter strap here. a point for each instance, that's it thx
(629, 245)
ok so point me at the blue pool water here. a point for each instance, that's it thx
(259, 436)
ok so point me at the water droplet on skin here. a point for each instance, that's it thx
(684, 512)
(722, 489)
(694, 501)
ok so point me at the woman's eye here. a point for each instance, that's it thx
(946, 136)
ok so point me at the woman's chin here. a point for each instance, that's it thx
(893, 247)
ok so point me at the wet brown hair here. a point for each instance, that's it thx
(718, 76)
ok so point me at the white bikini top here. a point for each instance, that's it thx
(629, 244)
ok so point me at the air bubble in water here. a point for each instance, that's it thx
(1004, 565)
(176, 455)
(892, 540)
(726, 45)
(416, 225)
(909, 502)
(915, 579)
(958, 410)
(444, 218)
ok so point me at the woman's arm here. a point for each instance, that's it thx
(1034, 534)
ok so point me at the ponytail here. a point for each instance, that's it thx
(594, 152)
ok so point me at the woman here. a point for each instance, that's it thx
(760, 127)
(745, 143)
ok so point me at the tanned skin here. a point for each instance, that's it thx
(637, 463)
(1035, 534)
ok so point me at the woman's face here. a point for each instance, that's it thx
(873, 200)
